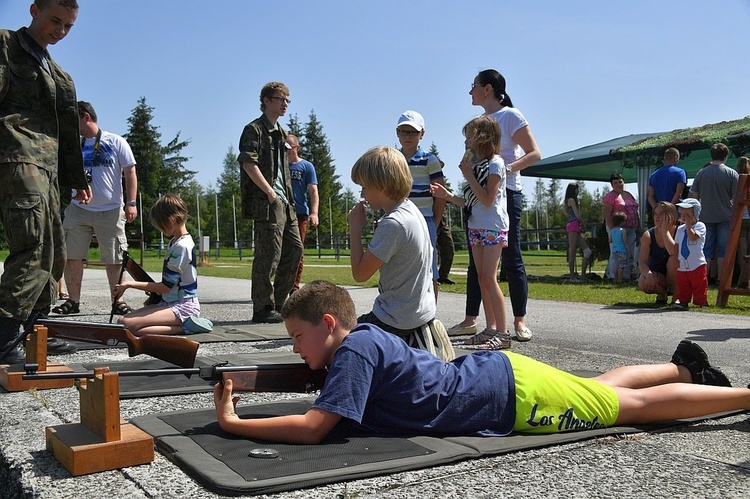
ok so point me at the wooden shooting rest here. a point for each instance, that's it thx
(102, 440)
(741, 201)
(11, 376)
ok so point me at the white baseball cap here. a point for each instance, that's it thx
(411, 118)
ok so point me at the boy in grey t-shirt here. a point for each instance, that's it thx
(400, 248)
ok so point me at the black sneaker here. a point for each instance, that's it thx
(445, 280)
(680, 306)
(267, 316)
(57, 346)
(692, 356)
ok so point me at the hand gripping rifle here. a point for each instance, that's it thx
(285, 378)
(176, 350)
(139, 274)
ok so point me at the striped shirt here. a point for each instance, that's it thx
(425, 169)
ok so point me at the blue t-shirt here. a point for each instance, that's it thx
(618, 240)
(377, 381)
(302, 174)
(664, 181)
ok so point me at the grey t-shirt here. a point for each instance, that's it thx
(402, 242)
(715, 186)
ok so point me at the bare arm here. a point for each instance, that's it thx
(152, 287)
(678, 192)
(131, 193)
(574, 206)
(364, 264)
(440, 192)
(258, 179)
(487, 195)
(308, 428)
(438, 204)
(644, 254)
(312, 191)
(608, 215)
(651, 197)
(524, 138)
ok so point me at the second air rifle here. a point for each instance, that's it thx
(176, 350)
(284, 378)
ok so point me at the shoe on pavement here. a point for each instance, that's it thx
(57, 346)
(267, 316)
(459, 330)
(692, 356)
(680, 306)
(445, 280)
(501, 341)
(523, 333)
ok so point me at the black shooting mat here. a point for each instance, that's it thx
(169, 384)
(231, 465)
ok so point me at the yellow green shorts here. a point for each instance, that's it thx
(552, 401)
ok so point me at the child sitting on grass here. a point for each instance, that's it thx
(381, 385)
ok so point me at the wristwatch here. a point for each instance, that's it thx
(131, 203)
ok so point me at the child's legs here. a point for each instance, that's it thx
(677, 401)
(699, 282)
(645, 376)
(573, 238)
(684, 288)
(487, 259)
(158, 319)
(586, 253)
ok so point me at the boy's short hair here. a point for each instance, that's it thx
(86, 108)
(672, 154)
(486, 132)
(168, 210)
(317, 298)
(270, 89)
(71, 5)
(619, 218)
(386, 169)
(719, 151)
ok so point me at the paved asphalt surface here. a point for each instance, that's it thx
(706, 459)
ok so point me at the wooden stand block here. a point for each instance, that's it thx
(11, 376)
(101, 441)
(741, 201)
(81, 451)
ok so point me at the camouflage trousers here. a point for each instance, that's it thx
(30, 210)
(278, 250)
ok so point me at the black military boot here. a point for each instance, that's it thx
(8, 333)
(55, 346)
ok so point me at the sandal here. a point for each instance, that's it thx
(481, 337)
(501, 341)
(121, 308)
(69, 307)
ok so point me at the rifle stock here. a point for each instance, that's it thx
(173, 349)
(285, 378)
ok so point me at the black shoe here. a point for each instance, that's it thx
(680, 306)
(267, 316)
(446, 280)
(16, 356)
(692, 356)
(56, 346)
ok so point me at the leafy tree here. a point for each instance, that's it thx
(160, 169)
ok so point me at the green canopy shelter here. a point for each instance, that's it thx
(637, 156)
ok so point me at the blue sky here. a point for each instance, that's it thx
(581, 71)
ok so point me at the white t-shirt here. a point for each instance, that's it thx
(495, 216)
(694, 249)
(105, 164)
(402, 242)
(510, 120)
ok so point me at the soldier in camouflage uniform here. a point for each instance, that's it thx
(39, 149)
(268, 200)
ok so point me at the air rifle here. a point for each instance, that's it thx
(176, 350)
(139, 274)
(285, 378)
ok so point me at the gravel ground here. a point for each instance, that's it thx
(705, 459)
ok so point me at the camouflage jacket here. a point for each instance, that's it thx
(38, 113)
(259, 144)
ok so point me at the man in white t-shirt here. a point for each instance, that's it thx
(107, 158)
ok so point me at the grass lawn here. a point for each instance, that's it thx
(545, 269)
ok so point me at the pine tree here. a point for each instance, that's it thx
(160, 169)
(228, 186)
(315, 149)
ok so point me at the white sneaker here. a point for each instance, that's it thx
(523, 333)
(443, 347)
(459, 330)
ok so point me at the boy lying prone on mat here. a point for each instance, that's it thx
(386, 387)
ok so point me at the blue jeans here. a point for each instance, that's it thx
(512, 265)
(716, 240)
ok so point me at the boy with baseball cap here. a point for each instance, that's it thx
(692, 275)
